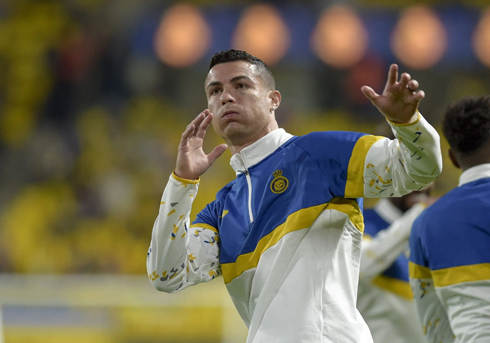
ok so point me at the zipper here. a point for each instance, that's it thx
(249, 182)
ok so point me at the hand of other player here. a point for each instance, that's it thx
(400, 99)
(192, 162)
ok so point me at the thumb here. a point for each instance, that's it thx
(369, 93)
(217, 152)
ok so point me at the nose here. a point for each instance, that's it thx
(227, 97)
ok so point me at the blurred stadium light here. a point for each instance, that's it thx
(419, 39)
(182, 37)
(418, 36)
(340, 39)
(263, 33)
(481, 39)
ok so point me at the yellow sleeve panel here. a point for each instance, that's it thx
(354, 187)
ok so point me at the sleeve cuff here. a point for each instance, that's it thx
(416, 115)
(187, 181)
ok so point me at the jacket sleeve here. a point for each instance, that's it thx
(380, 167)
(180, 256)
(451, 313)
(432, 314)
(450, 267)
(468, 309)
(380, 251)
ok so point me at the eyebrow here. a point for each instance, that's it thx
(235, 79)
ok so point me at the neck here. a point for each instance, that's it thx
(480, 156)
(467, 164)
(235, 149)
(237, 145)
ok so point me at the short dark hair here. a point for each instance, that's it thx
(232, 55)
(466, 124)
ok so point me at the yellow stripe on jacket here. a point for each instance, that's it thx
(301, 219)
(354, 186)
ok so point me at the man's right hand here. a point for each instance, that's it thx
(399, 100)
(192, 162)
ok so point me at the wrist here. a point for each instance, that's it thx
(184, 179)
(413, 119)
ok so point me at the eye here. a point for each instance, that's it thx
(242, 85)
(215, 91)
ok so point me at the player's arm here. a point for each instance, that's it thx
(432, 315)
(180, 256)
(434, 322)
(380, 251)
(384, 167)
(453, 250)
(468, 307)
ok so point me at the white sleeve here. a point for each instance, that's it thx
(178, 256)
(412, 161)
(468, 308)
(432, 315)
(379, 252)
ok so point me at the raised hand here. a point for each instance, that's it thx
(400, 99)
(192, 162)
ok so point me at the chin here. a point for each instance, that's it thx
(236, 133)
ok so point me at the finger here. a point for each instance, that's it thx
(201, 132)
(189, 131)
(217, 152)
(419, 96)
(404, 79)
(200, 117)
(413, 85)
(392, 75)
(416, 98)
(369, 93)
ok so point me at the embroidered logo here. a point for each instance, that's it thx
(279, 184)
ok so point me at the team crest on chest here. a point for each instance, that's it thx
(279, 184)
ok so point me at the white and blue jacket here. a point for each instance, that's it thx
(450, 262)
(286, 233)
(385, 299)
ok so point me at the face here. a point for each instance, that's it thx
(241, 102)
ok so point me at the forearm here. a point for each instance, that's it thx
(379, 253)
(432, 315)
(167, 255)
(410, 162)
(420, 152)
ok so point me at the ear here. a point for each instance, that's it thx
(452, 157)
(275, 99)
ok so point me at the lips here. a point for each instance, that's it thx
(230, 114)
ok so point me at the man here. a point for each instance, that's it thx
(385, 299)
(450, 241)
(286, 233)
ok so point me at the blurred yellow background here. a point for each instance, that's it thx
(94, 95)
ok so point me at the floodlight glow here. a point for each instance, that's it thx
(340, 38)
(182, 37)
(419, 39)
(262, 33)
(481, 39)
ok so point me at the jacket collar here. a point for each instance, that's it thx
(475, 173)
(259, 150)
